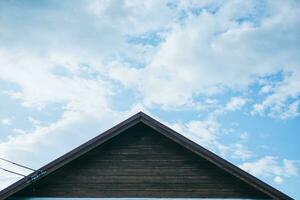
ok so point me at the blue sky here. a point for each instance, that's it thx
(226, 74)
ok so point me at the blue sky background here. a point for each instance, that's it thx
(226, 74)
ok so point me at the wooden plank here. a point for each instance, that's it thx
(141, 179)
(187, 171)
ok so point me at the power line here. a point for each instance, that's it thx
(17, 164)
(31, 178)
(12, 172)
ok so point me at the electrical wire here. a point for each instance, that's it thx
(17, 164)
(12, 172)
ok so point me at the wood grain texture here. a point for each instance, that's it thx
(140, 162)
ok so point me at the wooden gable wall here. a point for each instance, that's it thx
(140, 162)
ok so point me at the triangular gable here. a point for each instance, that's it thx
(220, 167)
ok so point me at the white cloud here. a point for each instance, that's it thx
(18, 131)
(266, 89)
(292, 110)
(281, 110)
(210, 53)
(239, 151)
(220, 50)
(278, 180)
(6, 121)
(244, 136)
(283, 101)
(40, 87)
(35, 122)
(263, 167)
(203, 132)
(290, 167)
(271, 167)
(236, 103)
(133, 17)
(208, 133)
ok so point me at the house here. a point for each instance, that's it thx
(141, 158)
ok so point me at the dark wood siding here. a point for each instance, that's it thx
(140, 163)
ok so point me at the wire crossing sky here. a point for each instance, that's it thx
(225, 74)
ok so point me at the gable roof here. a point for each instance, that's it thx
(164, 130)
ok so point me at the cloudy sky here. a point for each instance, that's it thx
(226, 74)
